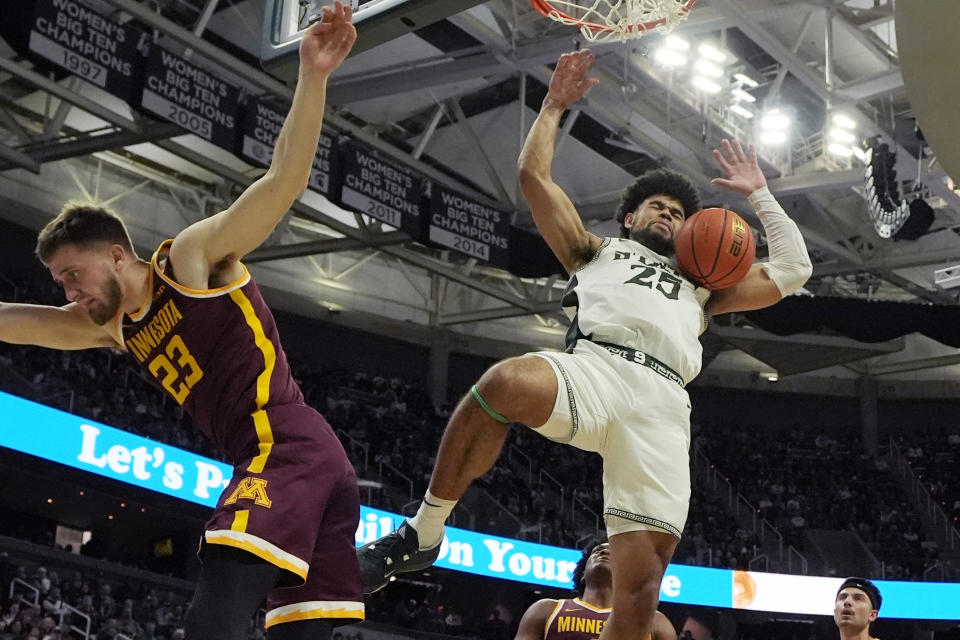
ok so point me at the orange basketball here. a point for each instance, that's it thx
(715, 248)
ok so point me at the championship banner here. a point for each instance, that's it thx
(381, 189)
(190, 96)
(261, 126)
(54, 435)
(87, 44)
(476, 229)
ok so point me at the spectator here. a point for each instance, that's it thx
(11, 615)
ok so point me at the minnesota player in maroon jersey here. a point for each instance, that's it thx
(194, 319)
(583, 617)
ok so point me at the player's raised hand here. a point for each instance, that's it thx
(569, 82)
(743, 171)
(328, 41)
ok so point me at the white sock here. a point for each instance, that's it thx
(431, 516)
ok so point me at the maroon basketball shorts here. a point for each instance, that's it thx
(296, 505)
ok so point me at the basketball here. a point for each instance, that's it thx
(715, 248)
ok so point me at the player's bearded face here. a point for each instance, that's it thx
(655, 223)
(89, 279)
(108, 304)
(653, 240)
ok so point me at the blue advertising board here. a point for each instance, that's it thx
(61, 437)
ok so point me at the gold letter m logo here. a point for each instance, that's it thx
(251, 489)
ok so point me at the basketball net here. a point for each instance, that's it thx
(603, 20)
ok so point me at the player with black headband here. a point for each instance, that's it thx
(857, 605)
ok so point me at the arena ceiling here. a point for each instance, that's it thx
(451, 101)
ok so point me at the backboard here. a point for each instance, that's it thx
(377, 22)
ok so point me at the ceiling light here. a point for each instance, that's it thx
(746, 80)
(624, 144)
(332, 307)
(711, 53)
(333, 284)
(843, 121)
(670, 57)
(773, 137)
(706, 84)
(842, 150)
(842, 135)
(678, 43)
(775, 120)
(743, 95)
(707, 68)
(741, 111)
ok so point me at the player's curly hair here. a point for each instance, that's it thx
(579, 584)
(651, 183)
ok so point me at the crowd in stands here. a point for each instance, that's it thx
(801, 479)
(429, 609)
(712, 538)
(44, 603)
(935, 458)
(39, 602)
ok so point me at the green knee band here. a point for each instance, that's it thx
(493, 414)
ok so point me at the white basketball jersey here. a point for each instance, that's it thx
(631, 296)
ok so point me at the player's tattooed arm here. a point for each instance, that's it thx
(553, 212)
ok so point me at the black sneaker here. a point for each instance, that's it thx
(396, 552)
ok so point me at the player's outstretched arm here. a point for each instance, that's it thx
(534, 620)
(241, 228)
(788, 267)
(553, 212)
(68, 327)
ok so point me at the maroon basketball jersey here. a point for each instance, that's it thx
(217, 353)
(575, 620)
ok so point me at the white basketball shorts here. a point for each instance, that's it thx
(639, 422)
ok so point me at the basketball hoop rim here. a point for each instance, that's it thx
(548, 10)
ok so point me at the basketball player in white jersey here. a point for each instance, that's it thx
(619, 388)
